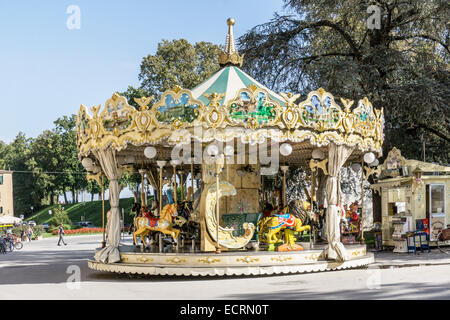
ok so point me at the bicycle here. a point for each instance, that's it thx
(2, 246)
(10, 244)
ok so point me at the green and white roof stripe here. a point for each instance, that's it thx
(229, 80)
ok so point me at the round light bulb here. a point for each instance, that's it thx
(285, 149)
(229, 150)
(369, 157)
(317, 154)
(150, 152)
(375, 163)
(212, 150)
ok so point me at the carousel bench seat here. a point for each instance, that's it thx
(236, 221)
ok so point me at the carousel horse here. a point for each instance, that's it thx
(189, 229)
(290, 220)
(137, 209)
(163, 224)
(353, 217)
(316, 219)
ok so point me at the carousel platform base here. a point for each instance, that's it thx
(230, 263)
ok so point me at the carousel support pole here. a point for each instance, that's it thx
(180, 172)
(160, 165)
(313, 164)
(174, 165)
(142, 191)
(103, 211)
(284, 169)
(219, 166)
(362, 202)
(311, 233)
(192, 178)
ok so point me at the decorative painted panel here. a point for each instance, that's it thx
(117, 115)
(365, 120)
(177, 108)
(320, 111)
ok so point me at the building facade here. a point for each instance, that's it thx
(6, 193)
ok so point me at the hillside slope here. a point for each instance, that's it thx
(91, 210)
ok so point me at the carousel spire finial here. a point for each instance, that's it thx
(230, 56)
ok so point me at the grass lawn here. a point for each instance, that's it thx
(49, 235)
(92, 210)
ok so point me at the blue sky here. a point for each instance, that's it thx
(48, 70)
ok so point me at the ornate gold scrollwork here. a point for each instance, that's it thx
(281, 258)
(208, 260)
(290, 114)
(252, 114)
(313, 257)
(144, 259)
(94, 177)
(313, 164)
(175, 260)
(247, 259)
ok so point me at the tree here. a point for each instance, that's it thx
(74, 174)
(3, 152)
(401, 66)
(43, 162)
(177, 62)
(132, 93)
(59, 216)
(16, 157)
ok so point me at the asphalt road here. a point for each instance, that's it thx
(42, 270)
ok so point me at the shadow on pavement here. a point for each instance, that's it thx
(389, 292)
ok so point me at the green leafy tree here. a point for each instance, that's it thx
(132, 93)
(73, 177)
(16, 157)
(3, 152)
(177, 62)
(60, 216)
(43, 162)
(401, 65)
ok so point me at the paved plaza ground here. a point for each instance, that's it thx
(42, 270)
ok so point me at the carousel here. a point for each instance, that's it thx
(214, 147)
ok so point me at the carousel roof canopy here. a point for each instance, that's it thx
(227, 82)
(229, 79)
(231, 106)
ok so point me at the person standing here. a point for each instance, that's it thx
(61, 232)
(29, 233)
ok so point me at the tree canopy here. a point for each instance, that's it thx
(175, 62)
(400, 65)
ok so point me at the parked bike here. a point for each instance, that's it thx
(2, 246)
(11, 243)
